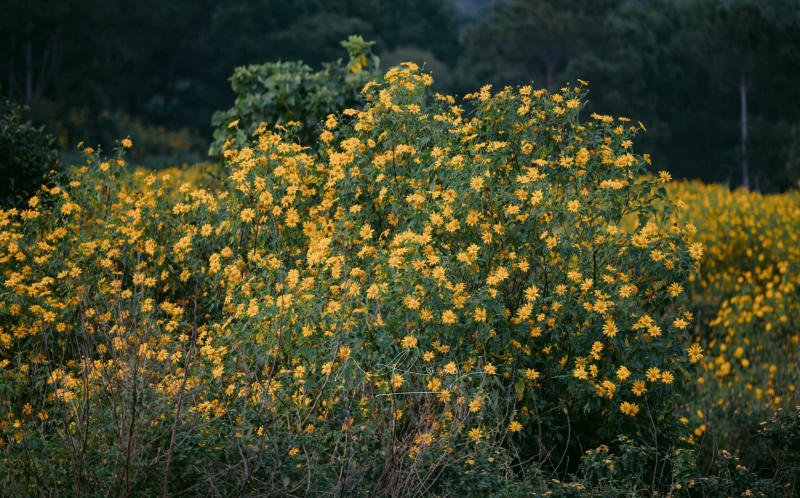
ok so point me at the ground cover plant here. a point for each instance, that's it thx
(489, 296)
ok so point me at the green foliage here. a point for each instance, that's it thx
(282, 92)
(781, 433)
(628, 468)
(27, 154)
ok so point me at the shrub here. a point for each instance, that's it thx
(283, 92)
(781, 433)
(428, 298)
(26, 154)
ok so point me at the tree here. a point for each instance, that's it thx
(524, 40)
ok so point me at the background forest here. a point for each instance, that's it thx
(713, 81)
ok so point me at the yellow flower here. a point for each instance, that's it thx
(490, 369)
(597, 348)
(475, 433)
(573, 206)
(610, 328)
(696, 250)
(409, 342)
(653, 374)
(475, 404)
(695, 353)
(532, 293)
(411, 303)
(514, 426)
(630, 409)
(476, 183)
(366, 231)
(373, 291)
(126, 142)
(531, 374)
(247, 215)
(638, 387)
(450, 368)
(675, 289)
(218, 371)
(331, 122)
(580, 373)
(397, 381)
(623, 373)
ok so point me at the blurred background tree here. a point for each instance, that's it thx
(713, 81)
(27, 154)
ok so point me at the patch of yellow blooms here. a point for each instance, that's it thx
(747, 292)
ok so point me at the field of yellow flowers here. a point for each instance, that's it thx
(440, 298)
(747, 301)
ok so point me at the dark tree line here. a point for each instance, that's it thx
(169, 63)
(714, 81)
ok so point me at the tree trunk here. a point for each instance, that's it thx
(743, 111)
(28, 68)
(549, 73)
(46, 57)
(11, 73)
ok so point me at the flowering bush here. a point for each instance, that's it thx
(430, 297)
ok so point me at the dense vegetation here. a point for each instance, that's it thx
(358, 283)
(693, 71)
(486, 296)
